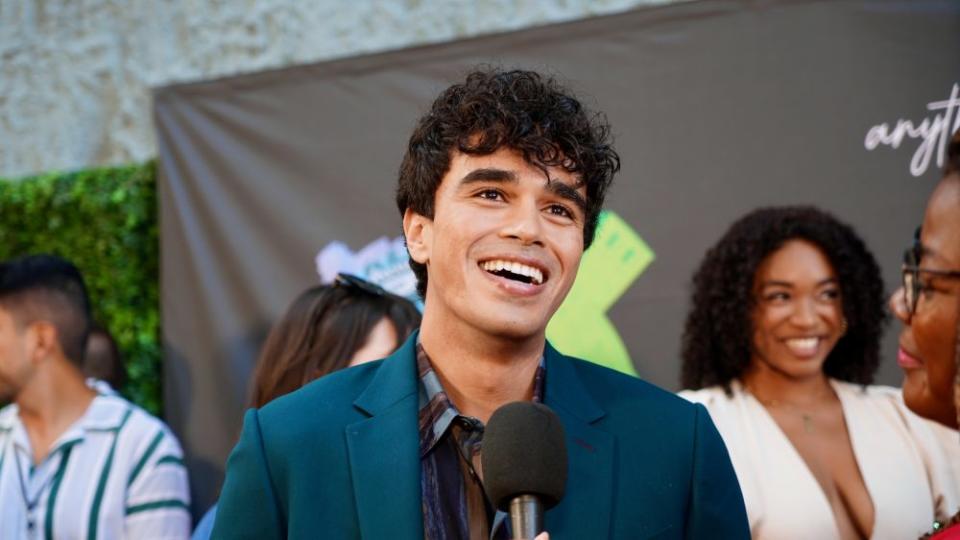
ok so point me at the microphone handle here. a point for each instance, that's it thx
(526, 517)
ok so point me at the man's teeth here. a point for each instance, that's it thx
(497, 265)
(803, 345)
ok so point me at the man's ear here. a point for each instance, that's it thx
(44, 340)
(418, 231)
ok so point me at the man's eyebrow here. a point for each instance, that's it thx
(567, 192)
(489, 174)
(558, 188)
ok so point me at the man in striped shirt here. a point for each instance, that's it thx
(74, 463)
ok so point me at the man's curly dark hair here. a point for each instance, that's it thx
(718, 336)
(521, 110)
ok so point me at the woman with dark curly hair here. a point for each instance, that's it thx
(781, 345)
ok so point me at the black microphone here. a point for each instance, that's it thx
(524, 460)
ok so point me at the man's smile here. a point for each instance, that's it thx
(516, 275)
(524, 271)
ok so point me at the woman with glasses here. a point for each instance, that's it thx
(928, 305)
(325, 329)
(781, 345)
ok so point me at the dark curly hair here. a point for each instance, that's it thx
(521, 110)
(718, 336)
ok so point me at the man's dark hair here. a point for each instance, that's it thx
(718, 336)
(49, 288)
(520, 110)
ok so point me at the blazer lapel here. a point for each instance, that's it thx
(584, 511)
(384, 451)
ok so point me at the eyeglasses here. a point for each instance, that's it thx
(912, 285)
(352, 282)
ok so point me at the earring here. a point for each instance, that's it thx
(843, 326)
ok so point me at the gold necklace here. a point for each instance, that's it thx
(805, 415)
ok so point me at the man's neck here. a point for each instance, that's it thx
(479, 372)
(55, 399)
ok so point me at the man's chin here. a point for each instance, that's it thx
(515, 330)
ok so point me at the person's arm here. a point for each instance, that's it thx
(248, 504)
(158, 493)
(716, 508)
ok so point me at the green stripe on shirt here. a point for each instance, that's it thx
(157, 505)
(54, 489)
(146, 457)
(172, 460)
(102, 485)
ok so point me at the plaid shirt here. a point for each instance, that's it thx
(453, 500)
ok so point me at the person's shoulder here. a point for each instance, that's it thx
(615, 390)
(113, 411)
(335, 389)
(870, 393)
(327, 401)
(709, 396)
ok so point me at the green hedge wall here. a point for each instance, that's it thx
(105, 221)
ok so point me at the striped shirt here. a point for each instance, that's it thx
(453, 501)
(116, 473)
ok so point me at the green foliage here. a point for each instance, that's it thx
(105, 221)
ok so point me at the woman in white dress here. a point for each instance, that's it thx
(781, 345)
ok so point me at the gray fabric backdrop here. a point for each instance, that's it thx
(718, 107)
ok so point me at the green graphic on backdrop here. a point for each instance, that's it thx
(580, 327)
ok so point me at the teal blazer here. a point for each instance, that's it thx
(339, 458)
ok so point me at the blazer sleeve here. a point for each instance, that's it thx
(716, 508)
(248, 506)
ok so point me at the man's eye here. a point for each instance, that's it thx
(490, 195)
(560, 210)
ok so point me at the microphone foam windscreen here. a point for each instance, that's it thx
(524, 452)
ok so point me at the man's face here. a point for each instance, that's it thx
(15, 352)
(503, 247)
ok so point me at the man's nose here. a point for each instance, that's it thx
(524, 223)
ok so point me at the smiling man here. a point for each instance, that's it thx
(500, 191)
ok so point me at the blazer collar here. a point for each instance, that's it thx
(385, 464)
(565, 390)
(394, 380)
(585, 510)
(384, 453)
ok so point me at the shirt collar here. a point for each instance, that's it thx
(105, 413)
(437, 412)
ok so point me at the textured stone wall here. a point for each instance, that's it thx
(75, 76)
